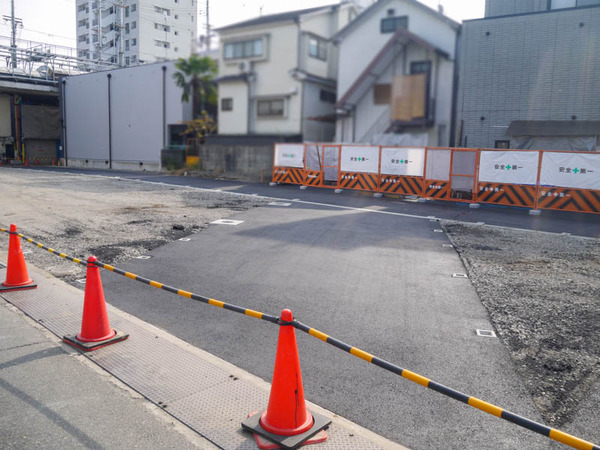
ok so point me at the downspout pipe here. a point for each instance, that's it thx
(455, 81)
(109, 76)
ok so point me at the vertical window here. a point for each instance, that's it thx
(393, 24)
(127, 11)
(133, 42)
(317, 48)
(273, 108)
(227, 104)
(127, 60)
(133, 7)
(127, 28)
(327, 96)
(127, 45)
(133, 25)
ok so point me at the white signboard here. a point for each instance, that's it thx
(403, 161)
(509, 167)
(356, 158)
(575, 170)
(289, 155)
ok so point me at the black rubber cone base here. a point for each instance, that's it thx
(89, 346)
(17, 288)
(320, 423)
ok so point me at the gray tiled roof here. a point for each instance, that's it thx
(280, 17)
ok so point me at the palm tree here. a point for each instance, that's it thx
(194, 77)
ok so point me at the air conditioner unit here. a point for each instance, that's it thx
(244, 66)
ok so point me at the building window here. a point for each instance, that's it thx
(133, 25)
(81, 8)
(244, 49)
(176, 33)
(317, 48)
(133, 59)
(561, 4)
(393, 24)
(420, 67)
(163, 11)
(127, 45)
(161, 27)
(226, 104)
(274, 108)
(133, 42)
(326, 96)
(127, 28)
(133, 8)
(94, 38)
(127, 11)
(127, 60)
(163, 44)
(382, 94)
(502, 144)
(82, 23)
(176, 16)
(82, 38)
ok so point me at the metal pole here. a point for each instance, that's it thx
(13, 38)
(207, 28)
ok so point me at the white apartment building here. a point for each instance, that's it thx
(118, 33)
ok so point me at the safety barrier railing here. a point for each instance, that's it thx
(536, 179)
(552, 433)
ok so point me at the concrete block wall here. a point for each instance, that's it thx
(254, 163)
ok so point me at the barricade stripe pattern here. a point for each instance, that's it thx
(474, 402)
(435, 189)
(288, 175)
(400, 184)
(364, 181)
(506, 194)
(569, 199)
(312, 178)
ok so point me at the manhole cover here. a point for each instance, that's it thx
(485, 333)
(226, 222)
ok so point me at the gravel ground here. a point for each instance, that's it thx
(111, 218)
(542, 292)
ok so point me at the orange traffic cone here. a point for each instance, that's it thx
(95, 329)
(287, 423)
(17, 277)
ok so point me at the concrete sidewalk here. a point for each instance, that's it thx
(139, 393)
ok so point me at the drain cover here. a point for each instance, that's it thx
(280, 204)
(184, 239)
(226, 222)
(459, 275)
(143, 257)
(438, 231)
(485, 333)
(447, 245)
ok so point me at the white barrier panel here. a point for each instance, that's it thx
(574, 170)
(438, 164)
(357, 158)
(509, 167)
(402, 161)
(289, 155)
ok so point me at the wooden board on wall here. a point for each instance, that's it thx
(409, 93)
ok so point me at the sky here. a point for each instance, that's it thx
(53, 21)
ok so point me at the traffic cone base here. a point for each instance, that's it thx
(17, 277)
(266, 441)
(89, 346)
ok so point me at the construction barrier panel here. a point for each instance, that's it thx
(359, 167)
(401, 170)
(508, 177)
(313, 165)
(570, 181)
(288, 166)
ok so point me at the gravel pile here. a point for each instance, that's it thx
(111, 218)
(542, 292)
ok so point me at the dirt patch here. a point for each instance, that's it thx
(113, 219)
(542, 292)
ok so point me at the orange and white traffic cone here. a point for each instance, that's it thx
(287, 423)
(17, 277)
(95, 328)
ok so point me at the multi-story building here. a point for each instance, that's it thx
(529, 76)
(119, 33)
(277, 74)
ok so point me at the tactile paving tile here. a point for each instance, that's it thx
(203, 395)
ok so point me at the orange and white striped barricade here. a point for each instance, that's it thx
(288, 163)
(401, 170)
(570, 181)
(359, 167)
(508, 177)
(450, 174)
(313, 165)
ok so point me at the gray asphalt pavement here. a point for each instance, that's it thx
(382, 283)
(51, 398)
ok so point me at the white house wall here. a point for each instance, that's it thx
(367, 39)
(236, 120)
(136, 116)
(316, 130)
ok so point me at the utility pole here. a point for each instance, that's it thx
(207, 28)
(13, 37)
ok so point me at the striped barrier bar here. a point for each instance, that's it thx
(476, 403)
(288, 175)
(400, 184)
(569, 199)
(507, 194)
(359, 181)
(313, 178)
(436, 189)
(156, 284)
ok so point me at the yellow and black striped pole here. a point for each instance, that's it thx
(481, 405)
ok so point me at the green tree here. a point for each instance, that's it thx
(195, 78)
